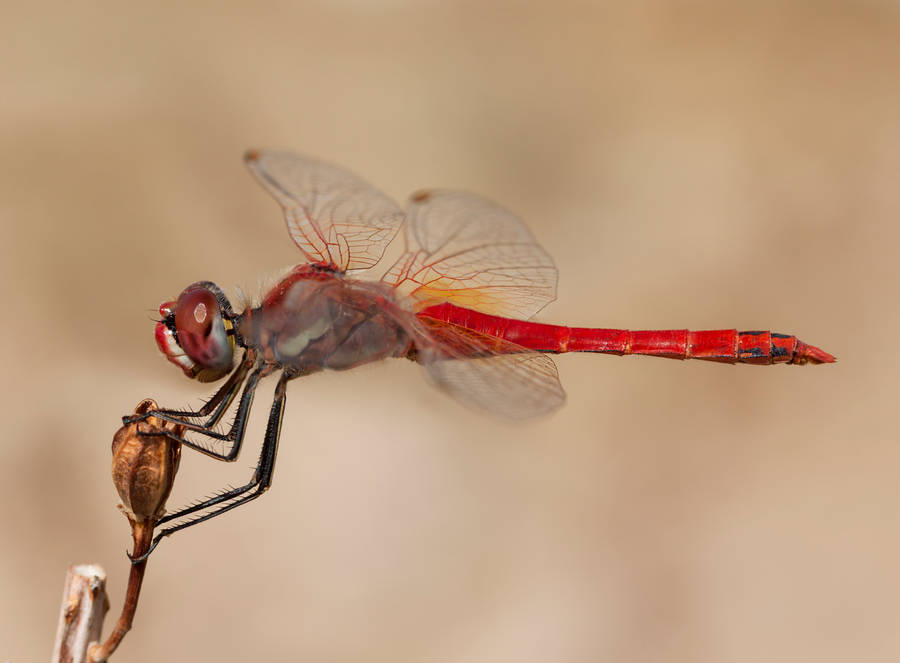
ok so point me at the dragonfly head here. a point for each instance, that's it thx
(196, 332)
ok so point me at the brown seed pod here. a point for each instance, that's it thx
(144, 465)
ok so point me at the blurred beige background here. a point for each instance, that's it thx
(688, 164)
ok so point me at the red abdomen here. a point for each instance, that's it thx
(724, 345)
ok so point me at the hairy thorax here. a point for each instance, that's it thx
(313, 320)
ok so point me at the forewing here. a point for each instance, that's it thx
(464, 249)
(489, 373)
(333, 216)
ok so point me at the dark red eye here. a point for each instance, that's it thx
(195, 312)
(201, 331)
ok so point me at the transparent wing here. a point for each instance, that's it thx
(463, 249)
(333, 216)
(489, 373)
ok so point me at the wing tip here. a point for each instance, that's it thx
(421, 196)
(251, 156)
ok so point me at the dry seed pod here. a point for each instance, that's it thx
(144, 466)
(143, 470)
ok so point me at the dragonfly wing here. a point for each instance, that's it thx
(464, 249)
(489, 373)
(333, 216)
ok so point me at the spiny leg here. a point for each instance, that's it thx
(260, 483)
(238, 427)
(217, 404)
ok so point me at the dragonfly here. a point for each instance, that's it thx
(459, 301)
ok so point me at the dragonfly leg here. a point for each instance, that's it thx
(217, 404)
(258, 484)
(238, 427)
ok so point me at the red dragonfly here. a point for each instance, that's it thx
(458, 302)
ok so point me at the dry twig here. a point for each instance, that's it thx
(84, 606)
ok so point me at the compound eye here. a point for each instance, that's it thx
(194, 313)
(202, 331)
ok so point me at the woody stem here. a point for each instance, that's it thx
(142, 533)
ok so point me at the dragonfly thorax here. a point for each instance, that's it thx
(314, 320)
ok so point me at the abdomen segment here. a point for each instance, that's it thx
(724, 345)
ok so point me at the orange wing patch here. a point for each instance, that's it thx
(464, 249)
